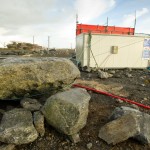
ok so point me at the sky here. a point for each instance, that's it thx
(20, 20)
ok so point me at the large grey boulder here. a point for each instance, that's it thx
(120, 129)
(17, 127)
(126, 122)
(19, 76)
(143, 121)
(67, 111)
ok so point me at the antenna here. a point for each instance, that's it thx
(135, 22)
(107, 21)
(77, 19)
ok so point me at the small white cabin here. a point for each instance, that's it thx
(113, 51)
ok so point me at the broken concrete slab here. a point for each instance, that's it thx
(19, 76)
(67, 111)
(17, 127)
(120, 129)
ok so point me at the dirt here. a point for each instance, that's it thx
(136, 88)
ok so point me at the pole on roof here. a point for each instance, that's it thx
(107, 21)
(135, 22)
(77, 19)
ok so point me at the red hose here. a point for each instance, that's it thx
(111, 95)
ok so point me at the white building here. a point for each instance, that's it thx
(113, 51)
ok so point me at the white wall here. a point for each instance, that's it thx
(80, 48)
(130, 50)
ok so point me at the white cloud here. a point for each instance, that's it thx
(91, 9)
(128, 20)
(21, 19)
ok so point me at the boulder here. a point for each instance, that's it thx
(104, 75)
(67, 111)
(120, 129)
(38, 120)
(19, 76)
(30, 104)
(17, 127)
(143, 121)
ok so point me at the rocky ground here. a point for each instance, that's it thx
(133, 84)
(39, 53)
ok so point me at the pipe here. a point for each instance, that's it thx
(113, 96)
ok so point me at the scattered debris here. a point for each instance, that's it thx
(75, 138)
(112, 71)
(89, 145)
(129, 75)
(104, 75)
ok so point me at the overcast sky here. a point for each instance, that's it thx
(21, 19)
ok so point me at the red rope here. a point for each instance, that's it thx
(111, 95)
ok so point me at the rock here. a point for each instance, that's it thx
(94, 69)
(117, 76)
(120, 129)
(75, 138)
(112, 71)
(144, 135)
(104, 75)
(143, 122)
(30, 104)
(145, 99)
(67, 111)
(135, 106)
(119, 101)
(89, 145)
(89, 75)
(88, 69)
(19, 76)
(7, 147)
(129, 75)
(17, 127)
(38, 120)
